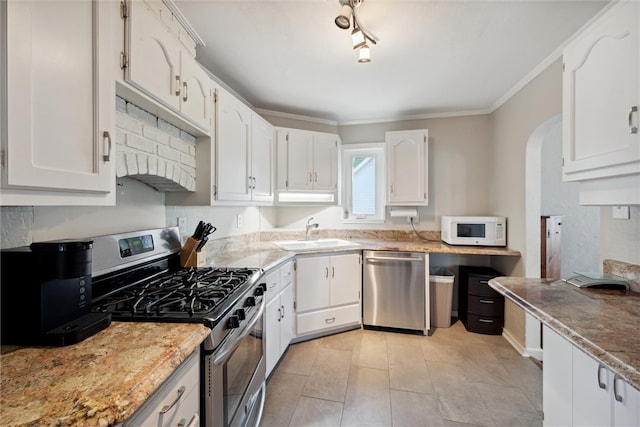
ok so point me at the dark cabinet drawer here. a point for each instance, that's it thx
(486, 306)
(479, 285)
(484, 324)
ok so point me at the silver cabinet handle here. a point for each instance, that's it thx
(602, 385)
(633, 129)
(617, 395)
(330, 320)
(326, 272)
(167, 408)
(185, 92)
(315, 175)
(282, 306)
(279, 313)
(333, 272)
(177, 85)
(195, 421)
(106, 137)
(310, 176)
(486, 301)
(485, 320)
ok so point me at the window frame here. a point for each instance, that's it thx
(378, 151)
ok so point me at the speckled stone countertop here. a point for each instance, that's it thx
(603, 323)
(100, 381)
(265, 254)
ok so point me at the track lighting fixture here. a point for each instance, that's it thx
(359, 36)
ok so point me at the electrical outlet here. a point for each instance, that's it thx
(182, 225)
(620, 212)
(239, 220)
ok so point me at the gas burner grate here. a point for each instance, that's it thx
(189, 293)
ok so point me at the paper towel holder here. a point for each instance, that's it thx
(409, 213)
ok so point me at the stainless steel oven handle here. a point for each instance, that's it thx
(263, 390)
(226, 347)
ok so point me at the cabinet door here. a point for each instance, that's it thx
(262, 159)
(626, 404)
(232, 143)
(60, 115)
(601, 89)
(312, 283)
(557, 379)
(195, 93)
(591, 391)
(407, 154)
(287, 322)
(325, 161)
(154, 56)
(299, 160)
(346, 279)
(272, 333)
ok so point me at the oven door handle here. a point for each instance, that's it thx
(226, 347)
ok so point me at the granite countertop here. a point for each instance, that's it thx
(100, 381)
(266, 254)
(603, 323)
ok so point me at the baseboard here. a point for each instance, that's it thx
(514, 343)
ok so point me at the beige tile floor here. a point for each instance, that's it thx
(373, 378)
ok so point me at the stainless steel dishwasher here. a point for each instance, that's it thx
(395, 290)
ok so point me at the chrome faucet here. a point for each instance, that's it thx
(309, 227)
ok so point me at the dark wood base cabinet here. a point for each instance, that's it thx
(480, 308)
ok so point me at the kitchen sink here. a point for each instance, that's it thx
(301, 245)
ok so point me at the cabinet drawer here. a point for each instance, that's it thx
(479, 285)
(176, 400)
(272, 280)
(328, 319)
(484, 324)
(286, 274)
(486, 306)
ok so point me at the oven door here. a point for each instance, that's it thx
(235, 378)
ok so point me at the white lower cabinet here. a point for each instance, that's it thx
(580, 391)
(280, 315)
(176, 402)
(328, 292)
(556, 379)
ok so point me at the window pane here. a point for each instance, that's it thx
(363, 185)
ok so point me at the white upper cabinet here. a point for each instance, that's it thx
(407, 168)
(233, 145)
(59, 60)
(307, 164)
(244, 143)
(601, 97)
(262, 160)
(161, 62)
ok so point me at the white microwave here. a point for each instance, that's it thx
(474, 230)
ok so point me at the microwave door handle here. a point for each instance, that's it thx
(226, 347)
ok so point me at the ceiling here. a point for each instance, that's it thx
(433, 57)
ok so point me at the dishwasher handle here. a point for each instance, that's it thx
(392, 258)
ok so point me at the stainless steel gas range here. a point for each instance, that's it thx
(137, 278)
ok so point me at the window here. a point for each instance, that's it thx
(364, 182)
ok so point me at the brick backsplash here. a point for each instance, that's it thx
(153, 150)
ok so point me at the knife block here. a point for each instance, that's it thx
(188, 255)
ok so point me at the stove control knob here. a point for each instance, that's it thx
(241, 314)
(263, 286)
(259, 291)
(251, 302)
(233, 322)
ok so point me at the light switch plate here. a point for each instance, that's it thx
(620, 212)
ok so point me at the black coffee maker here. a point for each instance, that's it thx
(46, 294)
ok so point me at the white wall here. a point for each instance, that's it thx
(138, 206)
(580, 245)
(620, 238)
